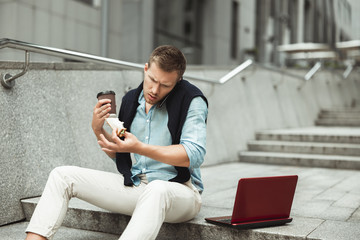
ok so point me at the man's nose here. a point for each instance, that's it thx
(156, 88)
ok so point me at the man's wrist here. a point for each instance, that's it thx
(139, 148)
(97, 132)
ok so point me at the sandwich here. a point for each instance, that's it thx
(114, 123)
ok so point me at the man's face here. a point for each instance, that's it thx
(157, 83)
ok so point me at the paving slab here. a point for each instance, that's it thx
(337, 230)
(349, 200)
(355, 217)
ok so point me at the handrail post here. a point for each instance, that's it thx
(348, 70)
(312, 71)
(8, 81)
(236, 71)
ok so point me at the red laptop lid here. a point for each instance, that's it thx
(264, 198)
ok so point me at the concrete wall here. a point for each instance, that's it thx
(46, 118)
(46, 122)
(261, 99)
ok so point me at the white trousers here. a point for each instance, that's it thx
(150, 204)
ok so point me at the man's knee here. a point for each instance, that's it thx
(63, 178)
(62, 171)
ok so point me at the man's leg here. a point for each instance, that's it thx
(103, 189)
(162, 201)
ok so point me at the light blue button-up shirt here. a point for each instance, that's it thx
(152, 129)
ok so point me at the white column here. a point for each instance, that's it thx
(300, 21)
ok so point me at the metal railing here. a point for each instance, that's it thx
(346, 52)
(8, 81)
(56, 52)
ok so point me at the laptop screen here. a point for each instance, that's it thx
(264, 198)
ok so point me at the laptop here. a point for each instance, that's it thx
(261, 202)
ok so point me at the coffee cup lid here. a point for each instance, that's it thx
(105, 93)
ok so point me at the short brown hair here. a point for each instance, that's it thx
(169, 59)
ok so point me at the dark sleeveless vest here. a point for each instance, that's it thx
(177, 105)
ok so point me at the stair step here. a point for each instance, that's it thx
(313, 134)
(340, 116)
(337, 122)
(81, 214)
(306, 160)
(16, 231)
(305, 147)
(341, 111)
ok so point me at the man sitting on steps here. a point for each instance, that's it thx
(166, 121)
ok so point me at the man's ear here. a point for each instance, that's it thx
(146, 67)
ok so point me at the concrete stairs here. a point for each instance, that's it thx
(325, 145)
(326, 206)
(339, 117)
(319, 146)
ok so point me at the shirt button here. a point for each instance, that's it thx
(147, 137)
(143, 170)
(147, 120)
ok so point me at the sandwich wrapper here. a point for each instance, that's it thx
(115, 123)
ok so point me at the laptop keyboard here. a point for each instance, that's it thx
(225, 220)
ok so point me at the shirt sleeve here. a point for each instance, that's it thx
(193, 136)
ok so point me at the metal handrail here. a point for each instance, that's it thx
(226, 77)
(56, 52)
(7, 79)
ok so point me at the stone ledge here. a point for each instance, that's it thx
(82, 215)
(16, 231)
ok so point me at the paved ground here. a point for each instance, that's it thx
(326, 203)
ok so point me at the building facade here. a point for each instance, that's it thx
(209, 32)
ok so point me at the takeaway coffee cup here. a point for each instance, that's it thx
(109, 95)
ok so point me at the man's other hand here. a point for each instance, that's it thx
(100, 113)
(128, 144)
